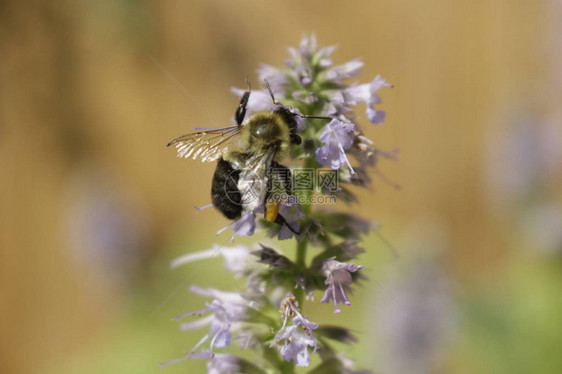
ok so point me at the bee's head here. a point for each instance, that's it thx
(264, 130)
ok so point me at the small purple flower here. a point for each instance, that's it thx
(226, 308)
(233, 301)
(276, 78)
(217, 363)
(322, 57)
(338, 278)
(287, 233)
(374, 116)
(337, 103)
(244, 226)
(338, 74)
(309, 54)
(347, 365)
(303, 74)
(219, 330)
(304, 52)
(235, 258)
(305, 97)
(221, 363)
(293, 341)
(337, 138)
(367, 93)
(292, 213)
(298, 338)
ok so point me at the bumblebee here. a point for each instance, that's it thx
(249, 156)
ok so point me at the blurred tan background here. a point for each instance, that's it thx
(94, 205)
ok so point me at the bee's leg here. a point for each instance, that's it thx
(283, 174)
(271, 211)
(271, 214)
(241, 111)
(271, 205)
(281, 221)
(292, 112)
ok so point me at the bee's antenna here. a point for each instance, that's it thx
(319, 117)
(280, 220)
(293, 111)
(275, 101)
(248, 82)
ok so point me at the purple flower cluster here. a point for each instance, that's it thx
(310, 78)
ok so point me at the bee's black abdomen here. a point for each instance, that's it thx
(224, 191)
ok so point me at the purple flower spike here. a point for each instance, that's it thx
(307, 111)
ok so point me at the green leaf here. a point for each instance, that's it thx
(341, 334)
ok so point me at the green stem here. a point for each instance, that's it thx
(301, 254)
(303, 244)
(301, 264)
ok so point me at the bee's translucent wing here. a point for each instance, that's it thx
(207, 145)
(253, 179)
